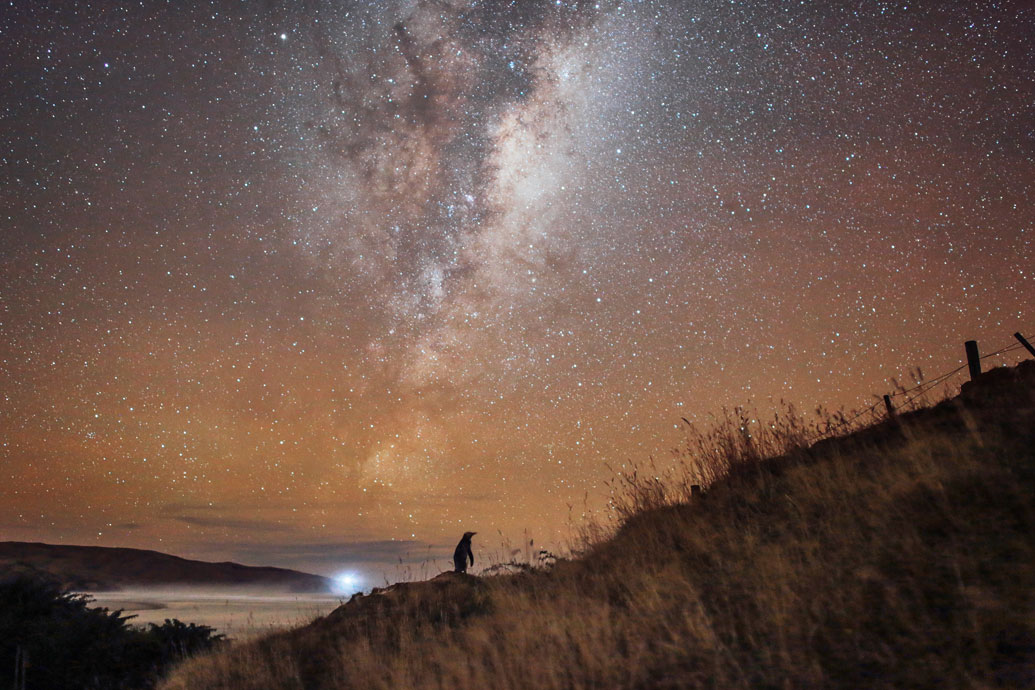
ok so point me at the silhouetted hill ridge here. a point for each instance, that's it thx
(102, 568)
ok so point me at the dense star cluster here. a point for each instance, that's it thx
(331, 284)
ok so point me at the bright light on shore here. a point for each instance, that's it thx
(348, 582)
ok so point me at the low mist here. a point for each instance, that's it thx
(235, 612)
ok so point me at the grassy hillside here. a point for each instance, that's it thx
(901, 556)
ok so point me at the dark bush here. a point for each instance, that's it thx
(53, 639)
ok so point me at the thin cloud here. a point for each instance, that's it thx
(228, 523)
(380, 552)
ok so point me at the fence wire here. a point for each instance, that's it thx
(920, 389)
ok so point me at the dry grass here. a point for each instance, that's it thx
(902, 556)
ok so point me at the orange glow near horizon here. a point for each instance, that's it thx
(294, 302)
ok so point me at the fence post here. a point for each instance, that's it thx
(973, 359)
(21, 661)
(1025, 343)
(887, 405)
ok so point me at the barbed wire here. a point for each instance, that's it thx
(922, 388)
(1008, 348)
(927, 384)
(936, 382)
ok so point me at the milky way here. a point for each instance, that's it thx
(326, 286)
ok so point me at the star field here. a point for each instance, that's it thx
(330, 284)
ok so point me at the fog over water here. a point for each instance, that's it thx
(236, 613)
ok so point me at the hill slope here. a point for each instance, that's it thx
(98, 568)
(902, 556)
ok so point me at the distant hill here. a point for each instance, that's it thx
(98, 568)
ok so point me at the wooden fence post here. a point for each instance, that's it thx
(21, 661)
(887, 405)
(973, 358)
(1025, 343)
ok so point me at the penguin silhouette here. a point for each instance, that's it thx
(463, 552)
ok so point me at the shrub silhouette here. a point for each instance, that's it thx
(53, 639)
(177, 640)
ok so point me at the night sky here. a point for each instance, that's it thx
(325, 285)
